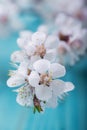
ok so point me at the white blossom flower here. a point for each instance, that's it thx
(44, 79)
(71, 38)
(19, 76)
(35, 46)
(39, 86)
(24, 96)
(37, 74)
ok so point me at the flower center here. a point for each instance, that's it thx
(63, 37)
(28, 72)
(40, 50)
(45, 79)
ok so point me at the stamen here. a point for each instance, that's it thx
(40, 50)
(45, 79)
(29, 72)
(63, 37)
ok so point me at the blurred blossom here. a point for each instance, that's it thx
(23, 4)
(51, 8)
(9, 19)
(71, 38)
(72, 35)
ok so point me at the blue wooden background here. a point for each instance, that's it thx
(71, 112)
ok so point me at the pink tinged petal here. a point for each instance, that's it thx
(18, 56)
(38, 38)
(84, 13)
(41, 66)
(57, 70)
(51, 42)
(68, 87)
(58, 87)
(63, 47)
(15, 81)
(34, 79)
(43, 93)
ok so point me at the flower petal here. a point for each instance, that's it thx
(58, 87)
(18, 56)
(51, 42)
(57, 70)
(43, 93)
(22, 43)
(43, 28)
(26, 34)
(23, 68)
(34, 59)
(34, 79)
(50, 55)
(24, 96)
(41, 66)
(52, 102)
(68, 87)
(63, 46)
(30, 49)
(38, 38)
(15, 81)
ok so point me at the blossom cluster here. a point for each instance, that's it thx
(42, 56)
(76, 9)
(38, 74)
(71, 38)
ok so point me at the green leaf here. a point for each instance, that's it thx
(34, 111)
(39, 109)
